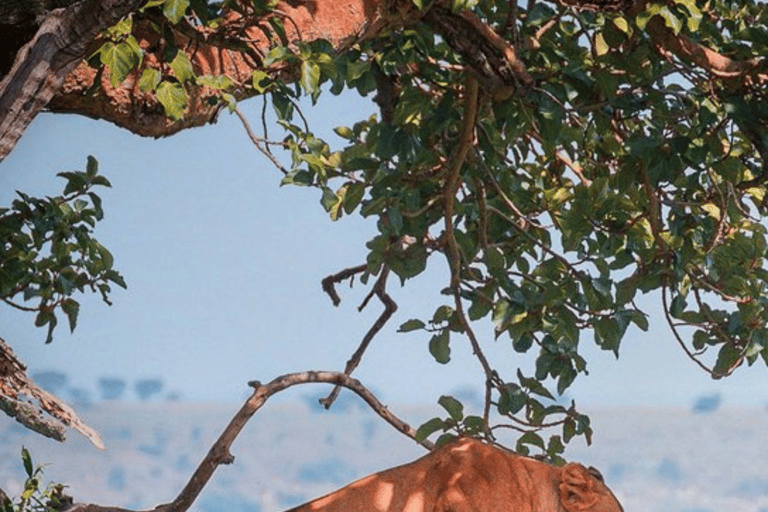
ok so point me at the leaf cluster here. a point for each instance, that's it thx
(35, 497)
(48, 252)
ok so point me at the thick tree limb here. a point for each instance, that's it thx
(494, 60)
(42, 65)
(220, 451)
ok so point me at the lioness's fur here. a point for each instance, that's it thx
(470, 476)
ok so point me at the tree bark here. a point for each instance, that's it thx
(41, 65)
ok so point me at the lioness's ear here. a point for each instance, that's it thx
(577, 492)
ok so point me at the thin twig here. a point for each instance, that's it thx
(257, 142)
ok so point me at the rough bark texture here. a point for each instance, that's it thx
(21, 398)
(42, 65)
(342, 22)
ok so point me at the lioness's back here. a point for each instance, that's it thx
(470, 476)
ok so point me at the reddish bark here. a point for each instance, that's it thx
(342, 22)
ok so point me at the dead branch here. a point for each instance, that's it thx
(220, 453)
(390, 306)
(23, 399)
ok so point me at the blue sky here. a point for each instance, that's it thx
(224, 266)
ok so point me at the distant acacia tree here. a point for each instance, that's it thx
(146, 388)
(111, 388)
(564, 157)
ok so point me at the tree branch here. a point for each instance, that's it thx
(390, 306)
(24, 400)
(220, 454)
(42, 65)
(699, 55)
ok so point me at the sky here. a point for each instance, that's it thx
(224, 265)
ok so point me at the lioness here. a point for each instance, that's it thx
(467, 475)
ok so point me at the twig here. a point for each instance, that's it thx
(257, 142)
(329, 283)
(390, 306)
(679, 340)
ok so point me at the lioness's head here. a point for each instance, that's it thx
(583, 490)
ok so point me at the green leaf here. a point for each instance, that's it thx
(278, 53)
(454, 408)
(329, 199)
(150, 79)
(429, 428)
(439, 347)
(344, 132)
(310, 76)
(182, 67)
(26, 458)
(411, 325)
(173, 98)
(354, 195)
(601, 47)
(670, 20)
(71, 308)
(531, 438)
(512, 399)
(621, 23)
(218, 82)
(120, 59)
(174, 10)
(91, 167)
(727, 358)
(258, 78)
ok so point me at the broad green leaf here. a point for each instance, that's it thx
(150, 79)
(182, 67)
(173, 98)
(258, 78)
(91, 166)
(622, 24)
(344, 132)
(71, 308)
(120, 59)
(601, 47)
(531, 438)
(174, 10)
(727, 358)
(429, 428)
(454, 408)
(439, 347)
(512, 399)
(218, 82)
(310, 76)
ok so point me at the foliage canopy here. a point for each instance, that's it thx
(618, 148)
